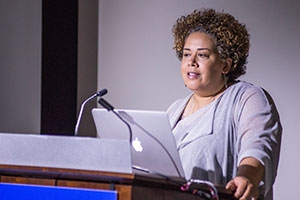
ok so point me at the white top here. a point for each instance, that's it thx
(242, 122)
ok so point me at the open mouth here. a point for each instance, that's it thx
(193, 74)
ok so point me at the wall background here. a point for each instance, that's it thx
(20, 65)
(139, 68)
(21, 61)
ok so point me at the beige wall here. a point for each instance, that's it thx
(20, 65)
(87, 62)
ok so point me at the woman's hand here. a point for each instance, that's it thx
(243, 188)
(245, 184)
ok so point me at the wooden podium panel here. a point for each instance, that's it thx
(128, 186)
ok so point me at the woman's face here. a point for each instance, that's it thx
(201, 67)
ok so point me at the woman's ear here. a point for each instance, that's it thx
(227, 65)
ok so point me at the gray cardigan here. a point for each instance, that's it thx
(242, 122)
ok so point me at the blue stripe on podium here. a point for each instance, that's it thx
(33, 192)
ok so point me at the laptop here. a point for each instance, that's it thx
(153, 147)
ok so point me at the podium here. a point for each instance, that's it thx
(80, 163)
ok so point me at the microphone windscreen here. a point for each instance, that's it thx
(102, 92)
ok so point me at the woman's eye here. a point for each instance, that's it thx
(202, 55)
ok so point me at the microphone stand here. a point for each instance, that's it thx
(99, 93)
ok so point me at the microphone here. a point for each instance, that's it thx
(100, 93)
(109, 107)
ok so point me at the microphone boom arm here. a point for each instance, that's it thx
(97, 94)
(80, 113)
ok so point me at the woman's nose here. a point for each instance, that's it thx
(193, 61)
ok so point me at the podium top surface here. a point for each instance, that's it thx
(68, 152)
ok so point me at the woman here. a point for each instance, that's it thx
(227, 131)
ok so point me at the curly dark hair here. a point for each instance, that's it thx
(231, 37)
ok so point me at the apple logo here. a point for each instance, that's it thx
(136, 144)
